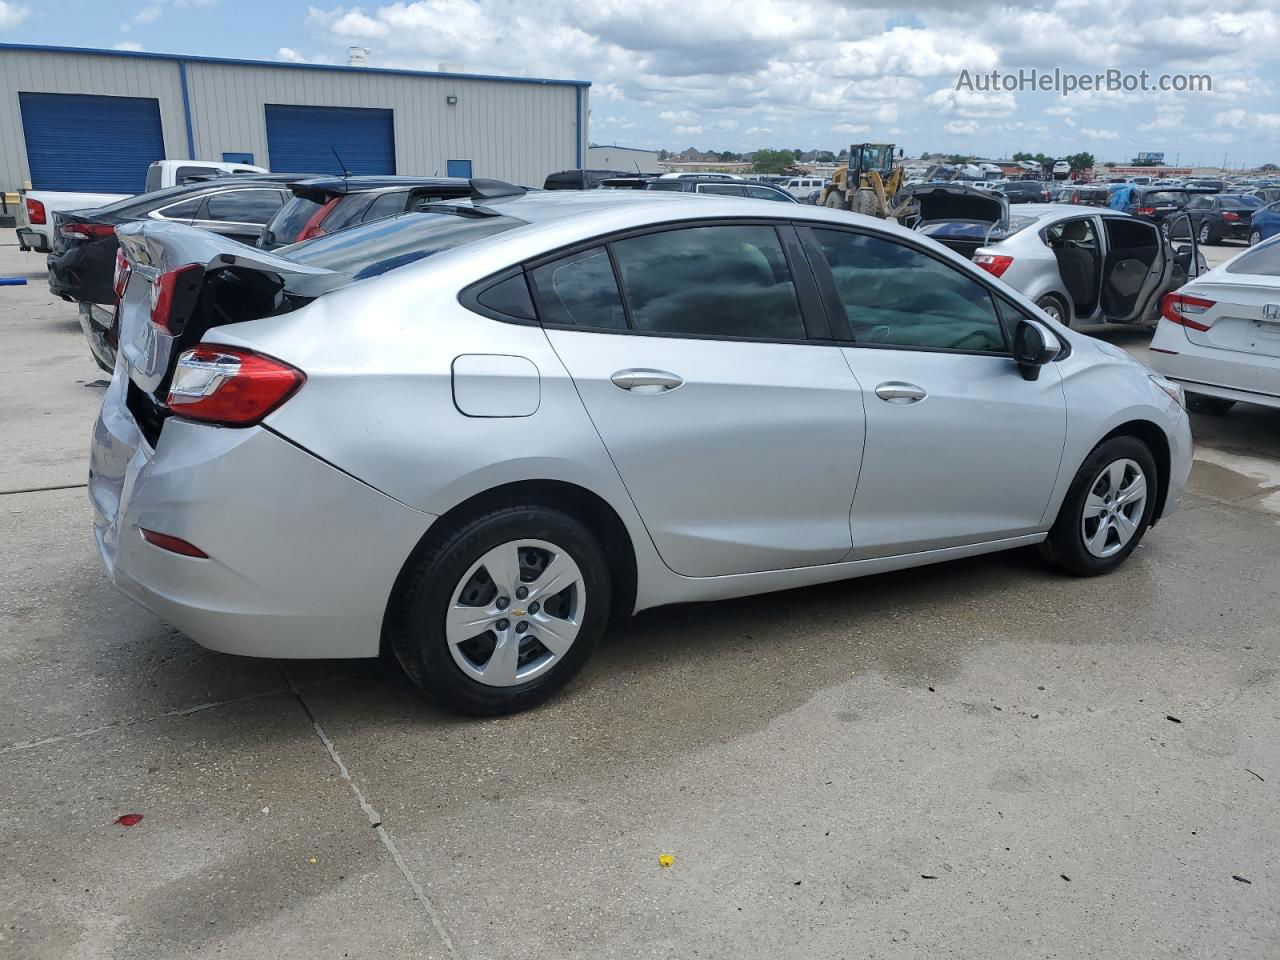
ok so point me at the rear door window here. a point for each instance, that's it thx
(580, 291)
(714, 281)
(764, 193)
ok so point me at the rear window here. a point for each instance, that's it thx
(375, 247)
(969, 230)
(293, 216)
(666, 185)
(1260, 261)
(1164, 197)
(1240, 203)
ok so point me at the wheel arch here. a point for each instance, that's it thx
(1158, 443)
(587, 506)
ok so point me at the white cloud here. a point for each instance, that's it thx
(12, 14)
(676, 116)
(688, 131)
(851, 128)
(1093, 133)
(961, 126)
(132, 45)
(1168, 117)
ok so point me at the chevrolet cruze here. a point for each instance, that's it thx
(476, 435)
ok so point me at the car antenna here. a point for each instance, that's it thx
(342, 166)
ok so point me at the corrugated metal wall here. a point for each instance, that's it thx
(41, 72)
(511, 131)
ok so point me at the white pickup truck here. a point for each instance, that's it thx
(35, 214)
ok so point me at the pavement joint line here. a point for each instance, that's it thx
(61, 486)
(375, 820)
(167, 715)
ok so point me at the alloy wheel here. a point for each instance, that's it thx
(515, 613)
(1204, 233)
(1050, 306)
(1114, 508)
(1255, 238)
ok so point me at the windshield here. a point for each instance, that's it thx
(381, 245)
(1260, 261)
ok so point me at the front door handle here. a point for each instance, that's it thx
(646, 381)
(897, 392)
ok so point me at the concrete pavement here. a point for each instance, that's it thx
(977, 759)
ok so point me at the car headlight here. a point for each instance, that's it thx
(1172, 389)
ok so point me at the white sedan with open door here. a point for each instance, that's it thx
(1219, 336)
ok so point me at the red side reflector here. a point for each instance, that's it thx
(230, 386)
(35, 213)
(86, 231)
(172, 544)
(1180, 308)
(120, 278)
(994, 263)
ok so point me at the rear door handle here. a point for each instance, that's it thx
(897, 392)
(646, 381)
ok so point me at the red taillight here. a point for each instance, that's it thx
(173, 545)
(1179, 308)
(230, 386)
(35, 212)
(312, 227)
(1230, 217)
(168, 288)
(1146, 211)
(993, 263)
(120, 277)
(86, 231)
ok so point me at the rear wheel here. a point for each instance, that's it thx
(1255, 238)
(1206, 235)
(1054, 308)
(1106, 511)
(1215, 406)
(502, 612)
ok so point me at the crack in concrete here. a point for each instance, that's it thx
(375, 821)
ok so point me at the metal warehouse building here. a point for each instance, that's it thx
(74, 119)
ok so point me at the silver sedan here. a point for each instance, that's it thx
(477, 435)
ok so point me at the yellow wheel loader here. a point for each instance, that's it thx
(869, 184)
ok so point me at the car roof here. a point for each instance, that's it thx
(343, 185)
(158, 198)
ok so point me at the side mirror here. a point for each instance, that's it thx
(1034, 345)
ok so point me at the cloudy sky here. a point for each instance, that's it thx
(753, 73)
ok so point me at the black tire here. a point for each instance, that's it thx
(1065, 548)
(416, 622)
(1055, 308)
(1214, 406)
(1206, 234)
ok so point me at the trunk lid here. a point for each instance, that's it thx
(1245, 316)
(215, 281)
(953, 202)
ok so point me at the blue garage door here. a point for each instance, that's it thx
(84, 142)
(303, 139)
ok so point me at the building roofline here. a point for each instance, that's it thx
(285, 65)
(619, 146)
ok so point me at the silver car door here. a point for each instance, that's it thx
(737, 437)
(959, 447)
(1136, 269)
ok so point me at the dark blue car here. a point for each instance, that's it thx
(1265, 223)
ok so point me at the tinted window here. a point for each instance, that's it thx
(666, 185)
(386, 205)
(187, 174)
(1260, 261)
(509, 297)
(243, 206)
(186, 210)
(764, 193)
(723, 189)
(1240, 203)
(1164, 197)
(350, 209)
(710, 281)
(153, 179)
(1200, 203)
(292, 217)
(897, 296)
(580, 291)
(372, 248)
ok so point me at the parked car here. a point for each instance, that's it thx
(1219, 336)
(1024, 191)
(1265, 194)
(83, 264)
(801, 187)
(35, 223)
(1207, 185)
(636, 181)
(1078, 264)
(1089, 196)
(579, 179)
(1218, 216)
(327, 204)
(722, 188)
(175, 173)
(482, 433)
(1265, 223)
(1159, 205)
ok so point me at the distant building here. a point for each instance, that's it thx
(630, 159)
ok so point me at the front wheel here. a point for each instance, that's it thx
(502, 612)
(1255, 238)
(1053, 307)
(1206, 236)
(1106, 511)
